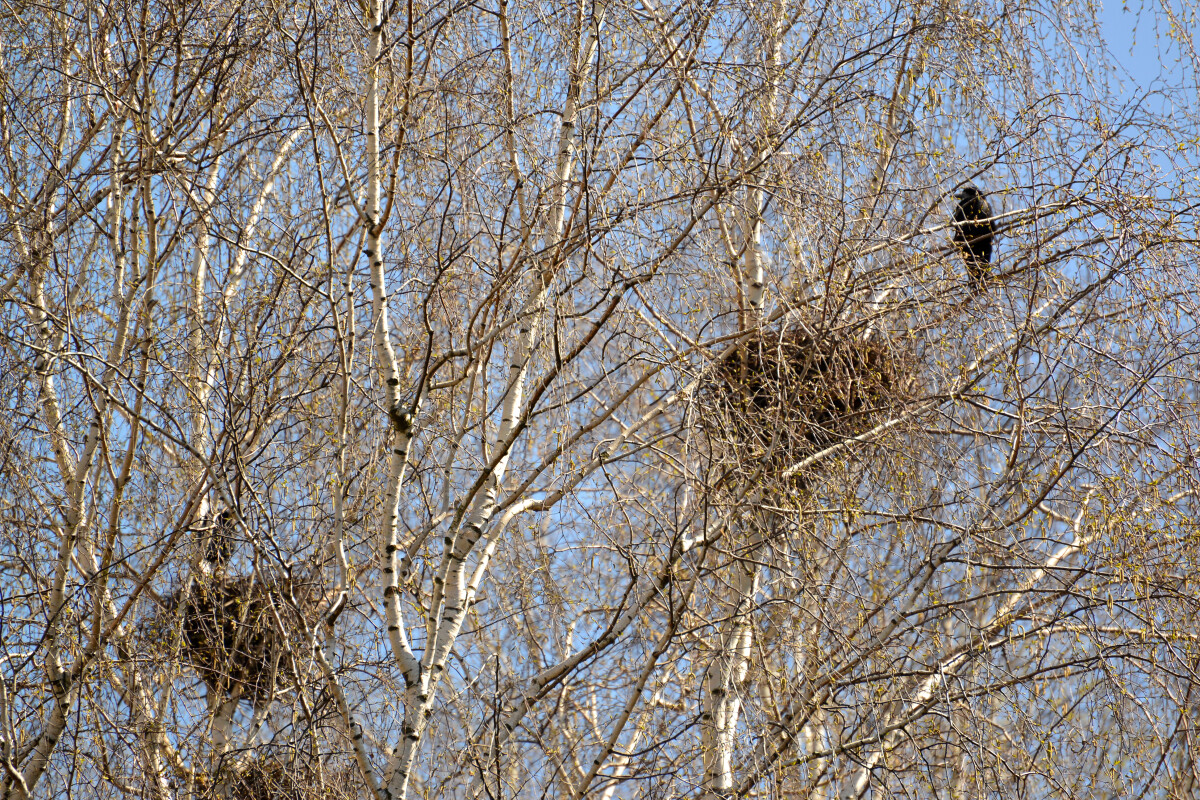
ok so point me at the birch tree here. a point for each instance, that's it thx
(587, 400)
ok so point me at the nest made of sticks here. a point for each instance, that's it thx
(785, 394)
(270, 777)
(235, 632)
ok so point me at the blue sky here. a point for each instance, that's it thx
(1147, 58)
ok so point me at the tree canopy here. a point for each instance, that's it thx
(514, 399)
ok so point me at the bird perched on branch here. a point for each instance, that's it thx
(974, 232)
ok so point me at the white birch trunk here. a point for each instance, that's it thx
(451, 603)
(725, 676)
(402, 419)
(199, 373)
(63, 681)
(726, 673)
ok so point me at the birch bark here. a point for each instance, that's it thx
(451, 598)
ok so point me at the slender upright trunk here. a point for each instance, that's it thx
(451, 593)
(726, 675)
(727, 670)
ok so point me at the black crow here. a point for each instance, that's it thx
(974, 231)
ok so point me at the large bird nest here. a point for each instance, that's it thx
(783, 395)
(236, 631)
(272, 777)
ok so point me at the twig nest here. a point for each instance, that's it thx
(782, 395)
(234, 632)
(273, 778)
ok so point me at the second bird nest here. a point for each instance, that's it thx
(273, 778)
(782, 395)
(242, 636)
